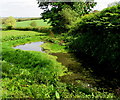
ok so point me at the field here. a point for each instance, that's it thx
(27, 23)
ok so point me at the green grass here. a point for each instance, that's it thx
(27, 23)
(53, 48)
(27, 74)
(32, 74)
(12, 34)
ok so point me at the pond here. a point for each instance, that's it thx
(34, 46)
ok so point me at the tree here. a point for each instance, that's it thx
(10, 22)
(69, 16)
(33, 24)
(56, 13)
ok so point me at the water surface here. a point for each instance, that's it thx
(34, 46)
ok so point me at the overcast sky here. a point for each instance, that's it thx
(29, 8)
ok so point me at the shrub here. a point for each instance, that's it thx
(99, 36)
(33, 24)
(10, 22)
(43, 29)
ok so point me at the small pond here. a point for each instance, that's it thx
(34, 46)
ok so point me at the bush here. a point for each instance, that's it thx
(26, 19)
(10, 22)
(44, 29)
(33, 24)
(99, 36)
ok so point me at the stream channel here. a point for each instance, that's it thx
(78, 75)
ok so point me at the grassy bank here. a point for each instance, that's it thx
(53, 48)
(27, 71)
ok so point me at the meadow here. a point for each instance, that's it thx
(27, 23)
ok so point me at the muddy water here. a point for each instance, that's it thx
(34, 46)
(78, 73)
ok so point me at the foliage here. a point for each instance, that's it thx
(27, 19)
(69, 16)
(56, 18)
(98, 36)
(10, 22)
(43, 29)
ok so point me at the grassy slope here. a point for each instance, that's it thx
(21, 68)
(27, 23)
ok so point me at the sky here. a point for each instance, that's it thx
(29, 8)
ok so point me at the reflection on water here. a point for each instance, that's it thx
(34, 46)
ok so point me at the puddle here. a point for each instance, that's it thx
(34, 46)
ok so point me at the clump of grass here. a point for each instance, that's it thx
(53, 48)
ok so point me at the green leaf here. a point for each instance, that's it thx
(57, 95)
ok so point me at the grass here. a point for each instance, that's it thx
(21, 68)
(27, 23)
(32, 74)
(12, 34)
(53, 48)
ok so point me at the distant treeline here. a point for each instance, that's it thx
(26, 19)
(43, 29)
(21, 19)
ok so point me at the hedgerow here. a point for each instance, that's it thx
(98, 36)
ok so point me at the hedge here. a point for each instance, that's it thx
(44, 29)
(99, 36)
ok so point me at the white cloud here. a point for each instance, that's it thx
(19, 8)
(101, 4)
(29, 8)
